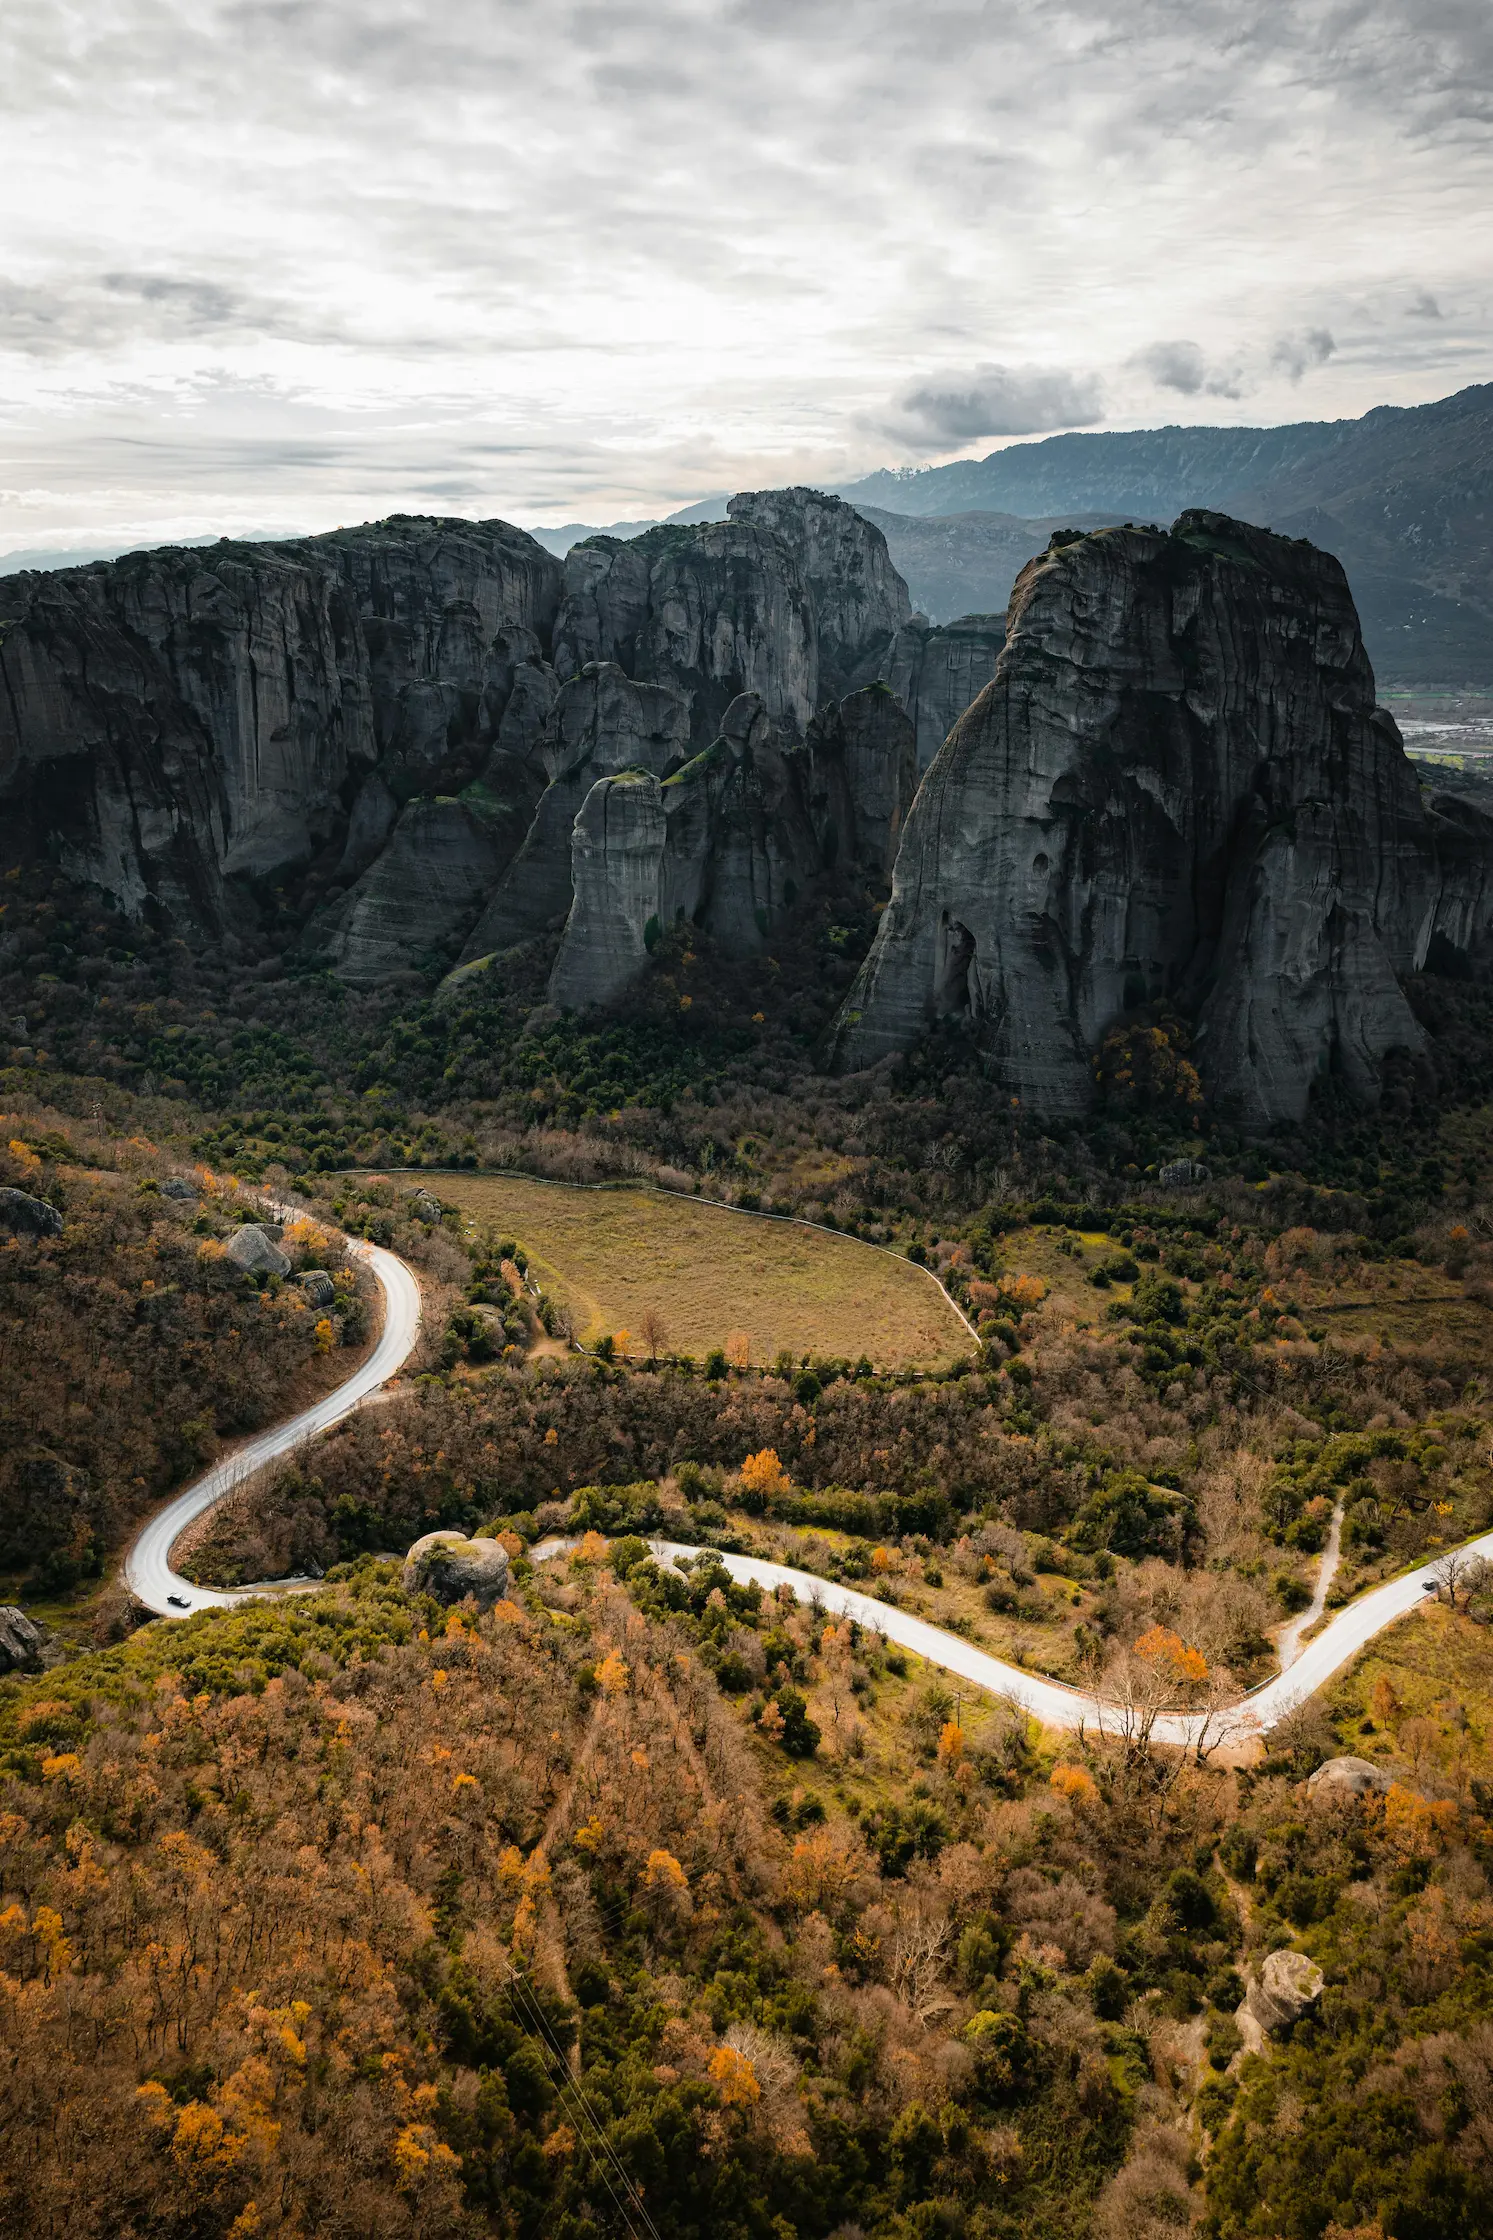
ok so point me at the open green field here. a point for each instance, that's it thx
(710, 1273)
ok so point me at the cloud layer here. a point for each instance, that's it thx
(278, 263)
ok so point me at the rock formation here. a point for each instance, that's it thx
(377, 712)
(253, 1250)
(417, 899)
(708, 612)
(601, 722)
(730, 841)
(863, 774)
(176, 721)
(24, 1216)
(1346, 1777)
(936, 673)
(451, 1567)
(860, 602)
(22, 1641)
(1287, 1987)
(1177, 784)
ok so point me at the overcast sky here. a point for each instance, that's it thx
(277, 266)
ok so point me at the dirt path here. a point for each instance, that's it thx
(1291, 1635)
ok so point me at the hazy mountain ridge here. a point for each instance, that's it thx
(1401, 497)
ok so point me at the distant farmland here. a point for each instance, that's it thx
(710, 1273)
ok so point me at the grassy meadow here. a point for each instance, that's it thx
(711, 1274)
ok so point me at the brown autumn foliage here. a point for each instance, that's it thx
(130, 1348)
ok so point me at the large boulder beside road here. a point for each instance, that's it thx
(1346, 1777)
(451, 1567)
(255, 1251)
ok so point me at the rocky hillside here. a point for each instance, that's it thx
(1176, 787)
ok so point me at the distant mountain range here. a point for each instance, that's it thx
(1404, 497)
(559, 541)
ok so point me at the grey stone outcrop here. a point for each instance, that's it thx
(214, 708)
(22, 1641)
(1287, 1986)
(318, 1287)
(451, 1567)
(601, 722)
(728, 843)
(1177, 784)
(863, 774)
(1347, 1777)
(177, 1186)
(860, 602)
(255, 1252)
(25, 1216)
(937, 670)
(416, 901)
(710, 612)
(426, 1207)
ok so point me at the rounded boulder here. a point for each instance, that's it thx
(1287, 1986)
(1346, 1777)
(451, 1567)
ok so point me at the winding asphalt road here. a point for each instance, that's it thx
(148, 1572)
(147, 1567)
(1058, 1706)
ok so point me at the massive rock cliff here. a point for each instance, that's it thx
(376, 715)
(730, 841)
(793, 598)
(601, 722)
(1177, 784)
(710, 612)
(860, 602)
(180, 720)
(937, 672)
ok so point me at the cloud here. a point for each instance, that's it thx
(1183, 367)
(1002, 401)
(109, 311)
(607, 258)
(1294, 354)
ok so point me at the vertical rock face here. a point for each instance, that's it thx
(860, 601)
(937, 672)
(730, 841)
(710, 612)
(617, 851)
(419, 896)
(863, 761)
(1176, 784)
(378, 707)
(601, 722)
(178, 719)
